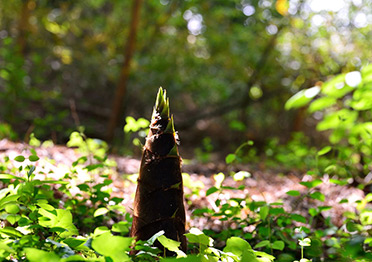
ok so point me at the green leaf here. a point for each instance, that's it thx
(74, 242)
(168, 243)
(10, 231)
(5, 247)
(152, 239)
(313, 211)
(12, 208)
(324, 208)
(338, 182)
(264, 211)
(277, 211)
(9, 176)
(58, 218)
(211, 190)
(239, 176)
(13, 218)
(322, 103)
(317, 195)
(19, 158)
(100, 230)
(324, 150)
(219, 178)
(298, 218)
(189, 258)
(293, 193)
(336, 87)
(121, 227)
(342, 118)
(33, 158)
(45, 206)
(100, 211)
(302, 98)
(198, 237)
(112, 246)
(8, 199)
(230, 158)
(264, 243)
(263, 257)
(312, 184)
(279, 245)
(366, 217)
(367, 73)
(306, 242)
(36, 255)
(240, 248)
(75, 258)
(330, 169)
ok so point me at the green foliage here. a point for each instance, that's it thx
(345, 106)
(277, 231)
(135, 131)
(44, 221)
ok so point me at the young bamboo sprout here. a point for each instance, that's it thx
(158, 204)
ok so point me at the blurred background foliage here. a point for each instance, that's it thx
(228, 66)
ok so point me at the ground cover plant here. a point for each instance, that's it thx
(71, 213)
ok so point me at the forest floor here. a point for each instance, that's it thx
(262, 185)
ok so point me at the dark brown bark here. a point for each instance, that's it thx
(122, 84)
(158, 204)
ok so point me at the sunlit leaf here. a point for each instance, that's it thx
(100, 211)
(306, 242)
(322, 103)
(317, 195)
(324, 150)
(367, 73)
(239, 176)
(168, 243)
(112, 246)
(311, 184)
(313, 211)
(198, 237)
(121, 227)
(219, 178)
(19, 158)
(33, 158)
(58, 218)
(336, 87)
(241, 248)
(37, 255)
(230, 158)
(12, 208)
(302, 98)
(293, 193)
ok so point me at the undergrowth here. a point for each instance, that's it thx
(73, 216)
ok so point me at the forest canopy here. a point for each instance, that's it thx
(229, 64)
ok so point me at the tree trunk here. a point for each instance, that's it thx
(23, 27)
(158, 204)
(122, 85)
